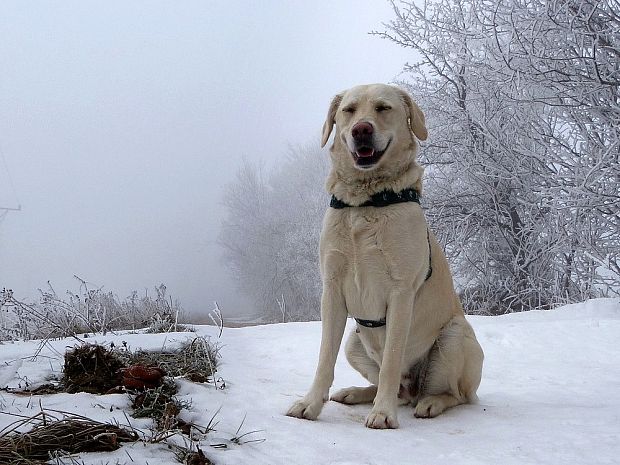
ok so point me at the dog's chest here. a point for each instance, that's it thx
(360, 254)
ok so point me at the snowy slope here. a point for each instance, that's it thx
(548, 396)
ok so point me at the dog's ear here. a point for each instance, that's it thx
(416, 121)
(331, 118)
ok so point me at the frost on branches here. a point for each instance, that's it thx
(523, 107)
(522, 164)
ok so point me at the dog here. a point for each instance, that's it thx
(382, 265)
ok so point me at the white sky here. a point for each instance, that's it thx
(122, 121)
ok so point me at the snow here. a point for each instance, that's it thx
(548, 396)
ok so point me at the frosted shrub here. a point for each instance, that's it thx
(91, 310)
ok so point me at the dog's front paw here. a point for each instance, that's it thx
(381, 420)
(305, 409)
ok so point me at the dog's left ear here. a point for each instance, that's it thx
(416, 122)
(331, 118)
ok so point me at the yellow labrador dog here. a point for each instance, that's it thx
(381, 265)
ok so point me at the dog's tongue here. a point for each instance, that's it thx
(365, 152)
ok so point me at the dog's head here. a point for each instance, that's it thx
(374, 125)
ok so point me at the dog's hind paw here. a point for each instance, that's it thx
(381, 420)
(431, 406)
(355, 395)
(305, 409)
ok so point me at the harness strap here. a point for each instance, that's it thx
(429, 273)
(371, 323)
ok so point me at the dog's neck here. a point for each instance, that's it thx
(355, 188)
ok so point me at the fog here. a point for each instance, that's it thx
(121, 122)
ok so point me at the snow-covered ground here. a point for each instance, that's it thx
(548, 396)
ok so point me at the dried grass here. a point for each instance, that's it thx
(97, 369)
(55, 433)
(160, 404)
(196, 360)
(91, 368)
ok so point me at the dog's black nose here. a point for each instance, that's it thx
(362, 129)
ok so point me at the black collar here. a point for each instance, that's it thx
(382, 199)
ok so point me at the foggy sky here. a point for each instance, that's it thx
(121, 122)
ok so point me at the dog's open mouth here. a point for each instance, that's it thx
(366, 157)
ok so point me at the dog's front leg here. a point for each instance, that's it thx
(334, 319)
(398, 323)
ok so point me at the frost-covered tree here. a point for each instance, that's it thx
(523, 108)
(271, 234)
(522, 103)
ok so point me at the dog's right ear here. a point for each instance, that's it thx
(331, 118)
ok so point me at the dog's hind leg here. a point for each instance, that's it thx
(368, 368)
(454, 370)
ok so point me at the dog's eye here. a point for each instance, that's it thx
(380, 108)
(349, 109)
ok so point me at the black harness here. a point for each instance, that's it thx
(383, 199)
